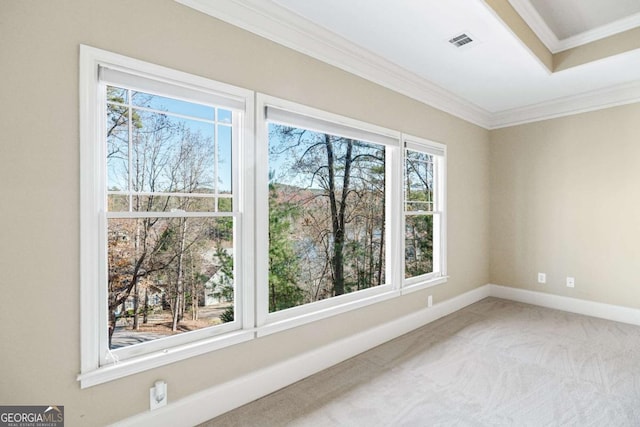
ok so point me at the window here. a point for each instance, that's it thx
(326, 212)
(170, 218)
(199, 231)
(423, 210)
(162, 211)
(332, 210)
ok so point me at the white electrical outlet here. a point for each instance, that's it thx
(542, 278)
(158, 395)
(571, 282)
(429, 300)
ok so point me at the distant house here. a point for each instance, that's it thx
(219, 287)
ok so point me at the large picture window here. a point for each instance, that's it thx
(326, 215)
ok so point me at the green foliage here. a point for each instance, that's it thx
(223, 284)
(167, 239)
(283, 263)
(227, 315)
(419, 245)
(222, 230)
(224, 205)
(327, 196)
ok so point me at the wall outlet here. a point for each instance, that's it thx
(158, 395)
(542, 278)
(429, 300)
(571, 282)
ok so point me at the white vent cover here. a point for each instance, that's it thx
(460, 40)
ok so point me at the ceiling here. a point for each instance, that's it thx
(568, 18)
(494, 81)
(564, 24)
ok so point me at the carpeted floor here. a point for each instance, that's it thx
(493, 363)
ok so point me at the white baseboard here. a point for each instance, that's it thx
(572, 305)
(209, 403)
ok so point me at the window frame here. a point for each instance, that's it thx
(97, 367)
(439, 153)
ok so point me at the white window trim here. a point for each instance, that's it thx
(439, 151)
(93, 254)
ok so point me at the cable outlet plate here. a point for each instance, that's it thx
(158, 395)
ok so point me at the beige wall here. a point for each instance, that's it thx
(617, 44)
(521, 29)
(554, 62)
(565, 200)
(39, 184)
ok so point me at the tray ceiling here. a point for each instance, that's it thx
(494, 81)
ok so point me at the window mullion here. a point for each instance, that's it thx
(395, 194)
(442, 210)
(243, 190)
(261, 229)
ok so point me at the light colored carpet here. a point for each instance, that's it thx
(494, 363)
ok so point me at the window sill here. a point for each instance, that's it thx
(305, 318)
(131, 366)
(414, 287)
(156, 359)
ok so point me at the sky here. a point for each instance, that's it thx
(197, 118)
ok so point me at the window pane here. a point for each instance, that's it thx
(168, 276)
(117, 94)
(117, 203)
(225, 204)
(171, 154)
(224, 159)
(117, 147)
(326, 216)
(170, 105)
(224, 116)
(418, 252)
(419, 171)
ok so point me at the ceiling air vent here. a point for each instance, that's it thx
(460, 40)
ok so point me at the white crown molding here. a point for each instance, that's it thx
(622, 94)
(531, 16)
(275, 23)
(533, 19)
(278, 24)
(598, 33)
